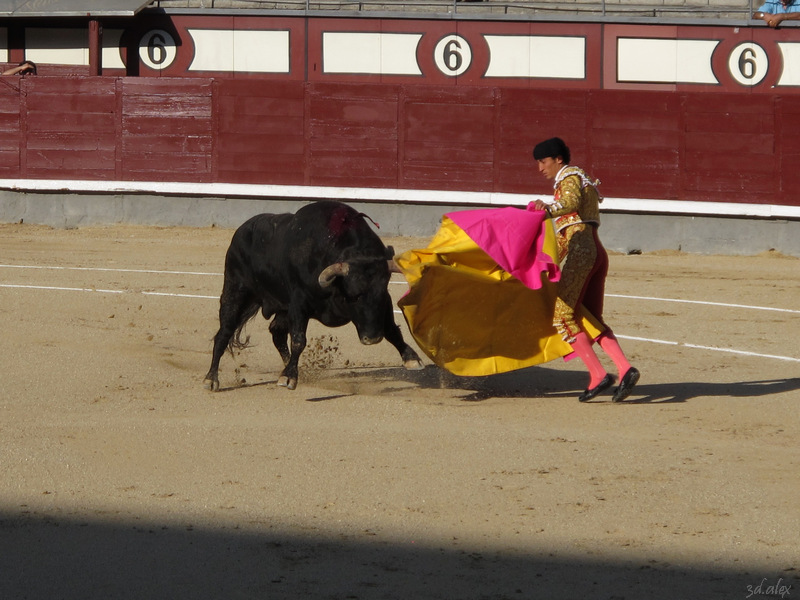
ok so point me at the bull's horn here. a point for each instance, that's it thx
(332, 272)
(393, 268)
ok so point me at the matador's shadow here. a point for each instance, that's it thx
(543, 382)
(683, 391)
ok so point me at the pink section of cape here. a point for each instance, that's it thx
(513, 238)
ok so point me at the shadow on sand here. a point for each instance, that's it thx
(63, 559)
(543, 382)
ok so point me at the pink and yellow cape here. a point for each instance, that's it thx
(482, 294)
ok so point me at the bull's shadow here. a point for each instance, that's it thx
(543, 382)
(272, 384)
(244, 385)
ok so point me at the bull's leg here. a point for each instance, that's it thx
(279, 328)
(299, 323)
(392, 333)
(235, 308)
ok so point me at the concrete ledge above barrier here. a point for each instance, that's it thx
(627, 227)
(384, 195)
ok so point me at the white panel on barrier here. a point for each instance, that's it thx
(651, 60)
(532, 56)
(112, 59)
(790, 75)
(370, 53)
(262, 51)
(59, 46)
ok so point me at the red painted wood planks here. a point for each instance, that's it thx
(166, 129)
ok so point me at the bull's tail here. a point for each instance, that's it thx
(238, 340)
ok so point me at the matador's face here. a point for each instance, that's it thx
(549, 167)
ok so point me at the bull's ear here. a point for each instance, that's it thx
(389, 252)
(331, 272)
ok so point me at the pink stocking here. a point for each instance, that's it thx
(583, 348)
(608, 342)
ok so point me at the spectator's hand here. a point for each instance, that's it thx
(775, 20)
(769, 18)
(21, 69)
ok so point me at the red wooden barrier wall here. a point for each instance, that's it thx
(68, 126)
(166, 131)
(260, 132)
(660, 145)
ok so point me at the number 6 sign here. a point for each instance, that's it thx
(748, 64)
(452, 55)
(157, 49)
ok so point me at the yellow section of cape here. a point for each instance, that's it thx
(470, 316)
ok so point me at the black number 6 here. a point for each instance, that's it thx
(452, 55)
(157, 43)
(747, 63)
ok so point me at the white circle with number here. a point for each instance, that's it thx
(453, 55)
(157, 49)
(748, 64)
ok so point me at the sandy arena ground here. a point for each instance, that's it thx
(122, 477)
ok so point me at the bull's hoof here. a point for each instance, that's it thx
(289, 384)
(211, 384)
(413, 365)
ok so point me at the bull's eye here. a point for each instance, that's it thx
(353, 299)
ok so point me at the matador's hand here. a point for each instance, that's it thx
(539, 205)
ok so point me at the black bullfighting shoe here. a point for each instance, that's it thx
(626, 385)
(587, 395)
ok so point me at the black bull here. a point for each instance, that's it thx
(324, 262)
